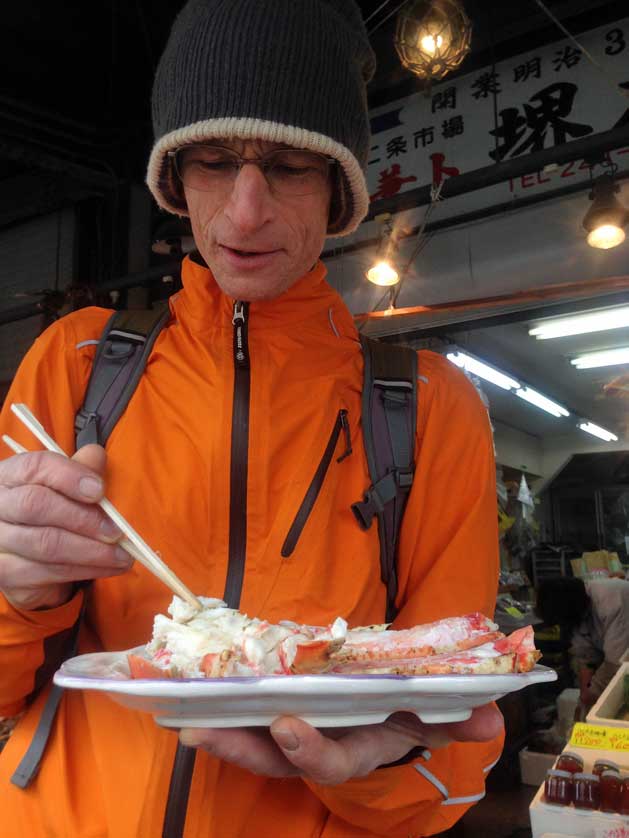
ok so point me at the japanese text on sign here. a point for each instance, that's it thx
(599, 737)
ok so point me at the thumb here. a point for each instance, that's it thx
(484, 724)
(92, 456)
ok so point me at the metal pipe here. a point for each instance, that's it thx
(20, 313)
(587, 147)
(31, 309)
(474, 215)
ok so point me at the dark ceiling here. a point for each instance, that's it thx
(76, 77)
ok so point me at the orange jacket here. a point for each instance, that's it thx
(106, 769)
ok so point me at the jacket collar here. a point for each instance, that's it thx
(202, 304)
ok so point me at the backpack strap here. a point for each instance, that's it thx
(123, 350)
(389, 415)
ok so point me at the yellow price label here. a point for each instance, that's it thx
(599, 737)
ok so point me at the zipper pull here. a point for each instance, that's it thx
(239, 312)
(241, 345)
(348, 440)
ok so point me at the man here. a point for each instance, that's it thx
(596, 616)
(261, 127)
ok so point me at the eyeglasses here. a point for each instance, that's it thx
(288, 171)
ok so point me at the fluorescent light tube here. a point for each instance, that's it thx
(601, 433)
(607, 358)
(579, 324)
(542, 402)
(472, 365)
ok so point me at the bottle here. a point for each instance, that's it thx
(587, 791)
(623, 804)
(558, 787)
(611, 787)
(569, 761)
(605, 765)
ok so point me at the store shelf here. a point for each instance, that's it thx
(548, 564)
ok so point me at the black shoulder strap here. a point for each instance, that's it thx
(389, 414)
(123, 350)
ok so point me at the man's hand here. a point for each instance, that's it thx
(52, 533)
(292, 748)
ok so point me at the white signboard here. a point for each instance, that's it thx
(542, 98)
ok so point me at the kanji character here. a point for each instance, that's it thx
(444, 99)
(375, 159)
(452, 127)
(439, 170)
(425, 136)
(530, 68)
(555, 102)
(485, 84)
(395, 147)
(568, 57)
(390, 182)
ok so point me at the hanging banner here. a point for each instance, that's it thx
(525, 104)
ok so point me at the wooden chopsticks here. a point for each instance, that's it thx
(132, 542)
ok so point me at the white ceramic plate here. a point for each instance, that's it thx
(321, 700)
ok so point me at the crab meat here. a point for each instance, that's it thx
(505, 655)
(221, 642)
(444, 636)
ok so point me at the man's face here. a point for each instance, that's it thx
(257, 243)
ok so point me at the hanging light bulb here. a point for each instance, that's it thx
(606, 218)
(383, 271)
(432, 37)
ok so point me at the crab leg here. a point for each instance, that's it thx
(445, 636)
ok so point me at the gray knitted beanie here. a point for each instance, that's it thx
(288, 71)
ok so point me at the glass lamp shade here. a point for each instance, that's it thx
(606, 218)
(432, 37)
(382, 273)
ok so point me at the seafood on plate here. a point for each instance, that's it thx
(219, 642)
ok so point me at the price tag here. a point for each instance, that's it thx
(599, 737)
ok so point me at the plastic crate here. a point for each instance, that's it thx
(569, 822)
(534, 765)
(610, 702)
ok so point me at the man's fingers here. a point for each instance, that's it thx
(330, 761)
(250, 748)
(17, 573)
(54, 545)
(93, 457)
(38, 505)
(72, 478)
(485, 723)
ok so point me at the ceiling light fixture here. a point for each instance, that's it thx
(606, 218)
(606, 358)
(595, 430)
(476, 367)
(581, 324)
(432, 37)
(383, 271)
(532, 396)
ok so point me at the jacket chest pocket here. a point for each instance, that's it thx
(341, 425)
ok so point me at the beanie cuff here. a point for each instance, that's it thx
(160, 174)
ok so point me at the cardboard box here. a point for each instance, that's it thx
(534, 765)
(610, 701)
(568, 822)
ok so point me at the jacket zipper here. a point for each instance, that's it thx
(181, 777)
(239, 463)
(303, 513)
